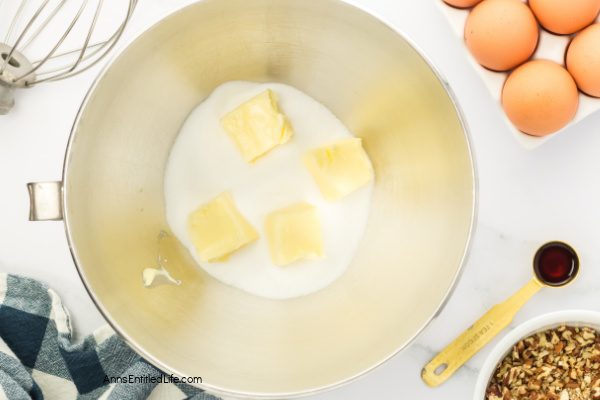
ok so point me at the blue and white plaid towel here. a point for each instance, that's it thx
(39, 361)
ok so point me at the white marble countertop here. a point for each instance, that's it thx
(525, 198)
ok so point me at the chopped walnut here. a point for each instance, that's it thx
(557, 364)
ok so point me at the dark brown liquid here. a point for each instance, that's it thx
(556, 264)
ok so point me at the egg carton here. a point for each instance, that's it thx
(550, 47)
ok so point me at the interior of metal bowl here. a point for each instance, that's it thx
(418, 230)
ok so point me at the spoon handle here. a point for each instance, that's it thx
(443, 366)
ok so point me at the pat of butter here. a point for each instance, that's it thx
(339, 168)
(217, 229)
(158, 276)
(294, 233)
(257, 126)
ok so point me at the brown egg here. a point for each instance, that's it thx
(583, 60)
(540, 97)
(565, 16)
(462, 3)
(501, 34)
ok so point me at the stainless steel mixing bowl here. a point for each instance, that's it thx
(375, 81)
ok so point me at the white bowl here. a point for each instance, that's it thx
(538, 324)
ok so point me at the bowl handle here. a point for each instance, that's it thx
(45, 201)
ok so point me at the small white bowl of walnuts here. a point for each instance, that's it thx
(552, 357)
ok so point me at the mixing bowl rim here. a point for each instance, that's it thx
(129, 43)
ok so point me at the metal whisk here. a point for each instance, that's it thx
(49, 40)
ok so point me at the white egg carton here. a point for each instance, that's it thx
(550, 47)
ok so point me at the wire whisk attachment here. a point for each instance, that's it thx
(50, 40)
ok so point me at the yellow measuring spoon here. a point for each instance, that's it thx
(555, 264)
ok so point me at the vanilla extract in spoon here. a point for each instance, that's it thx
(555, 264)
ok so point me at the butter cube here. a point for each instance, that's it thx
(339, 168)
(257, 126)
(217, 229)
(294, 233)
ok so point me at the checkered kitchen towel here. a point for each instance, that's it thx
(39, 361)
